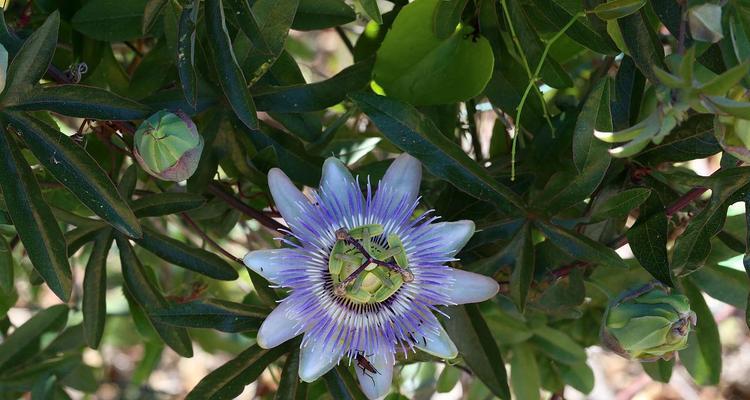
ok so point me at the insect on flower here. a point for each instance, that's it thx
(365, 275)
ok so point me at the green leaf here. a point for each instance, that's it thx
(721, 84)
(618, 8)
(94, 304)
(648, 239)
(417, 135)
(724, 284)
(33, 219)
(27, 336)
(6, 268)
(110, 20)
(147, 295)
(552, 72)
(591, 156)
(579, 246)
(342, 385)
(448, 379)
(160, 204)
(447, 16)
(151, 14)
(32, 60)
(290, 386)
(702, 357)
(77, 170)
(472, 337)
(586, 147)
(579, 376)
(660, 370)
(186, 53)
(187, 256)
(693, 139)
(81, 101)
(620, 204)
(229, 380)
(267, 26)
(230, 75)
(523, 270)
(372, 10)
(315, 96)
(415, 66)
(216, 314)
(643, 44)
(524, 373)
(322, 14)
(694, 245)
(558, 346)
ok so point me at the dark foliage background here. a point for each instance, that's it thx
(107, 260)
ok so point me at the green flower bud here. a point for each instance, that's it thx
(168, 146)
(647, 323)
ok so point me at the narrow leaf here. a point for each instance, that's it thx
(290, 386)
(620, 204)
(48, 320)
(78, 171)
(230, 75)
(315, 96)
(186, 53)
(229, 380)
(469, 331)
(81, 101)
(216, 314)
(33, 219)
(94, 304)
(161, 204)
(187, 256)
(147, 295)
(643, 43)
(523, 271)
(342, 385)
(648, 239)
(411, 131)
(618, 8)
(702, 357)
(579, 246)
(32, 60)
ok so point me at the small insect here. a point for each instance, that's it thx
(364, 363)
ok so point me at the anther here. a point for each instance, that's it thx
(342, 234)
(407, 276)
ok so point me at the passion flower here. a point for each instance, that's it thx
(168, 146)
(364, 274)
(648, 323)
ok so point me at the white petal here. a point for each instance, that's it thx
(277, 328)
(469, 287)
(452, 236)
(336, 178)
(376, 385)
(439, 345)
(403, 177)
(315, 361)
(289, 200)
(269, 263)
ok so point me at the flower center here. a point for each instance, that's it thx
(367, 267)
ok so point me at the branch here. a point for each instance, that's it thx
(205, 237)
(237, 204)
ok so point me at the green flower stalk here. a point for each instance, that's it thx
(168, 146)
(648, 323)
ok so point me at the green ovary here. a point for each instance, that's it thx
(376, 283)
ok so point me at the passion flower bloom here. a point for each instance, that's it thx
(364, 274)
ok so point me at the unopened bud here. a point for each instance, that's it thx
(168, 146)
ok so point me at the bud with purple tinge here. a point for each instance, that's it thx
(168, 146)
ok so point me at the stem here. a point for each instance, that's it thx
(345, 39)
(205, 237)
(471, 108)
(532, 83)
(682, 202)
(237, 204)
